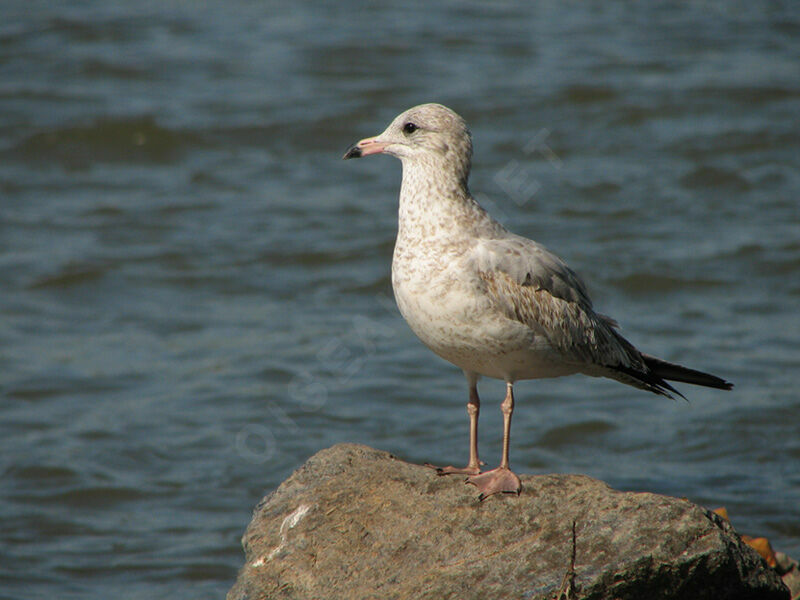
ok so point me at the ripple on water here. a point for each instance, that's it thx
(70, 274)
(653, 283)
(706, 176)
(575, 433)
(128, 140)
(39, 473)
(587, 94)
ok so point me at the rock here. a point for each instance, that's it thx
(789, 570)
(354, 522)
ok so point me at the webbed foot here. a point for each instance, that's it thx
(499, 480)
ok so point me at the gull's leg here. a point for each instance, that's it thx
(501, 479)
(473, 409)
(508, 409)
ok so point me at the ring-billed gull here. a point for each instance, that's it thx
(491, 302)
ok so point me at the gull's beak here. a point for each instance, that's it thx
(365, 147)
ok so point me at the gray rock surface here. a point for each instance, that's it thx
(354, 522)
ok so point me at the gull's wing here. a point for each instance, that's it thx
(532, 285)
(531, 264)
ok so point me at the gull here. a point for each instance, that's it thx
(493, 303)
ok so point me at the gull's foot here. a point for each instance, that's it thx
(450, 470)
(497, 480)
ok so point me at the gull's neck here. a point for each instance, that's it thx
(434, 200)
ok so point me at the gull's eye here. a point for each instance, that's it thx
(409, 128)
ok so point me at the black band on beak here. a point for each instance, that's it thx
(352, 152)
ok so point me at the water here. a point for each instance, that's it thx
(195, 288)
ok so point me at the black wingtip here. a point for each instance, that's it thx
(654, 378)
(352, 152)
(673, 372)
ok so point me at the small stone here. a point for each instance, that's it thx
(789, 569)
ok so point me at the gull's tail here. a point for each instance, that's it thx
(672, 372)
(660, 371)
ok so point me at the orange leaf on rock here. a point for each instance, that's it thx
(763, 547)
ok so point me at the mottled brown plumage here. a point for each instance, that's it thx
(487, 300)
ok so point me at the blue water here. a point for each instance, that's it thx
(195, 288)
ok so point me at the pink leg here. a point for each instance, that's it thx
(501, 479)
(473, 409)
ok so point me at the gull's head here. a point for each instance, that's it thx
(428, 134)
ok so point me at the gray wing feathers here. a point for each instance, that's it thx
(531, 264)
(537, 288)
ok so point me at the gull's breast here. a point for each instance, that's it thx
(445, 304)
